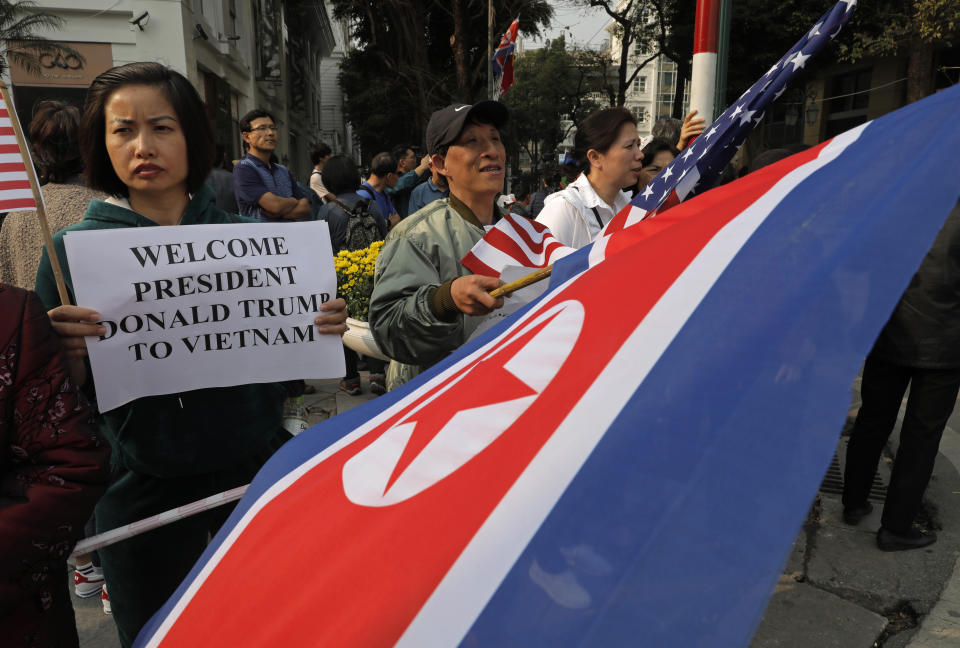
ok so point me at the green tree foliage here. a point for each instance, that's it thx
(19, 22)
(650, 29)
(762, 31)
(554, 88)
(415, 56)
(914, 28)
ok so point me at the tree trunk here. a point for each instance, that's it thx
(624, 62)
(919, 70)
(459, 52)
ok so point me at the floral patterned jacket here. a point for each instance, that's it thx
(53, 468)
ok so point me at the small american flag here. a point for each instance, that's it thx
(703, 161)
(15, 191)
(514, 240)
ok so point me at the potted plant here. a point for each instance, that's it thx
(355, 283)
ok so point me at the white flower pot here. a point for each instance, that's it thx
(359, 338)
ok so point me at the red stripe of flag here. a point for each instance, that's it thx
(7, 185)
(17, 203)
(548, 240)
(502, 241)
(9, 148)
(7, 130)
(12, 167)
(473, 263)
(3, 111)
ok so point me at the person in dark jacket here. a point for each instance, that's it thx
(341, 178)
(919, 346)
(53, 469)
(221, 181)
(172, 449)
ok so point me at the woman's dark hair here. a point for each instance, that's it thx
(191, 115)
(598, 132)
(656, 145)
(54, 133)
(340, 175)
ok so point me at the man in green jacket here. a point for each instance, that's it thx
(425, 303)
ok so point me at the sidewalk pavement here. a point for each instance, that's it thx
(837, 589)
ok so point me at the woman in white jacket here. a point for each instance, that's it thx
(607, 150)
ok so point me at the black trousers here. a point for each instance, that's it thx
(933, 393)
(351, 358)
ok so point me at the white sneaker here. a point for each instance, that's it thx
(87, 580)
(562, 588)
(105, 600)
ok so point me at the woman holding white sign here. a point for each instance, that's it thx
(148, 143)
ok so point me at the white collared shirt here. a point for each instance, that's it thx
(570, 213)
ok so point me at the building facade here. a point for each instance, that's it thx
(239, 54)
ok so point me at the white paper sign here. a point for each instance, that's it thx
(198, 306)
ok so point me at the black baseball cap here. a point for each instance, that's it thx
(446, 124)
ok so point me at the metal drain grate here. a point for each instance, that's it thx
(833, 482)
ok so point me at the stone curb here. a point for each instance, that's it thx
(941, 627)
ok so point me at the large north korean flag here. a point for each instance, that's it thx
(627, 460)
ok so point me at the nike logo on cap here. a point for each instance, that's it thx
(460, 108)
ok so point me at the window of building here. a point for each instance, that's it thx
(232, 18)
(850, 98)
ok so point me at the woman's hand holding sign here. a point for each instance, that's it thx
(73, 324)
(333, 321)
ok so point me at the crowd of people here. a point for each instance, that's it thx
(142, 154)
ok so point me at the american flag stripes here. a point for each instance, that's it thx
(15, 191)
(514, 240)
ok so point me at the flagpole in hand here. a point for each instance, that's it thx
(507, 289)
(37, 196)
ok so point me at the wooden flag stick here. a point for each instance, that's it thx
(37, 197)
(522, 282)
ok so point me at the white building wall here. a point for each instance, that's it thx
(334, 129)
(170, 36)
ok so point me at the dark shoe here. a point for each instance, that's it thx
(887, 540)
(852, 516)
(378, 384)
(351, 386)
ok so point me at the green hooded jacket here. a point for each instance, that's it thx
(189, 433)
